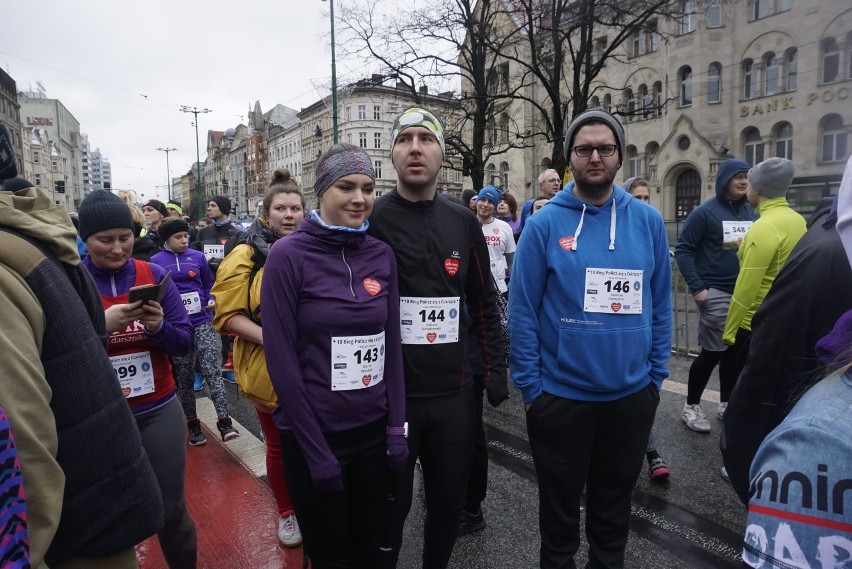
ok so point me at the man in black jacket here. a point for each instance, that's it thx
(808, 296)
(213, 240)
(443, 266)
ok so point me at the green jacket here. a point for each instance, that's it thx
(763, 252)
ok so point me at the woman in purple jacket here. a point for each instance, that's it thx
(333, 350)
(140, 339)
(194, 280)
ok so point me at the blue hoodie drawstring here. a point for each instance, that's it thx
(612, 225)
(579, 229)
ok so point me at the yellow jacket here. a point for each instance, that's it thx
(763, 252)
(233, 297)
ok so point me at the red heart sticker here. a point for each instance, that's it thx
(366, 380)
(431, 337)
(372, 286)
(125, 391)
(495, 230)
(616, 306)
(451, 266)
(567, 242)
(191, 273)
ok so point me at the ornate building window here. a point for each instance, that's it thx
(784, 140)
(771, 74)
(834, 139)
(714, 83)
(830, 60)
(753, 146)
(791, 69)
(749, 79)
(685, 79)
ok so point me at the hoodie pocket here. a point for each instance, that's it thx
(607, 360)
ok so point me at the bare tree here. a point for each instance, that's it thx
(444, 43)
(555, 48)
(562, 46)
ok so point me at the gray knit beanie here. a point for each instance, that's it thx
(594, 115)
(102, 210)
(772, 177)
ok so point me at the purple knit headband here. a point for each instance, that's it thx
(342, 164)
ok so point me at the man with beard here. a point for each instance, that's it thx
(443, 266)
(590, 322)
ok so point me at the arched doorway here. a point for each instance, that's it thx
(687, 193)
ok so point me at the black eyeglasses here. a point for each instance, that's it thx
(585, 150)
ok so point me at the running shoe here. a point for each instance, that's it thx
(196, 434)
(229, 377)
(694, 418)
(288, 531)
(226, 429)
(470, 523)
(198, 382)
(724, 475)
(721, 412)
(658, 470)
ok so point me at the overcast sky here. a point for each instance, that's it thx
(124, 68)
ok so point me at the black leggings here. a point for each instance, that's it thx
(441, 433)
(342, 530)
(702, 367)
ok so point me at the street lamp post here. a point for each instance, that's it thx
(196, 111)
(333, 75)
(168, 170)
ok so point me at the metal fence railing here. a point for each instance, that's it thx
(684, 311)
(684, 317)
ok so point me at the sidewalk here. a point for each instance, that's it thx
(234, 512)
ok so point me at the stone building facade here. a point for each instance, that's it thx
(749, 79)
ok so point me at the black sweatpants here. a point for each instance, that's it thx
(342, 530)
(440, 432)
(597, 444)
(477, 485)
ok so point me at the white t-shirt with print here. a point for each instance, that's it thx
(500, 241)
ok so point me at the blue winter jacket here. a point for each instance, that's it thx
(557, 345)
(702, 260)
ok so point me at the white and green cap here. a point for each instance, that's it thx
(416, 116)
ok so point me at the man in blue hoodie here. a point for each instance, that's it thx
(706, 254)
(590, 323)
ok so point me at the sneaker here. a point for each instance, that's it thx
(288, 531)
(229, 377)
(658, 470)
(198, 382)
(470, 523)
(196, 435)
(724, 474)
(721, 413)
(694, 418)
(226, 429)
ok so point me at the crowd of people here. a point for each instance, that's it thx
(387, 323)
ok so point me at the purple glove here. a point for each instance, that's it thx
(397, 453)
(328, 479)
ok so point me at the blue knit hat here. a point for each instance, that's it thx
(491, 194)
(727, 170)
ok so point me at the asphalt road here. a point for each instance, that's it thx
(693, 521)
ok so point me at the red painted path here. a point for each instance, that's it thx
(234, 512)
